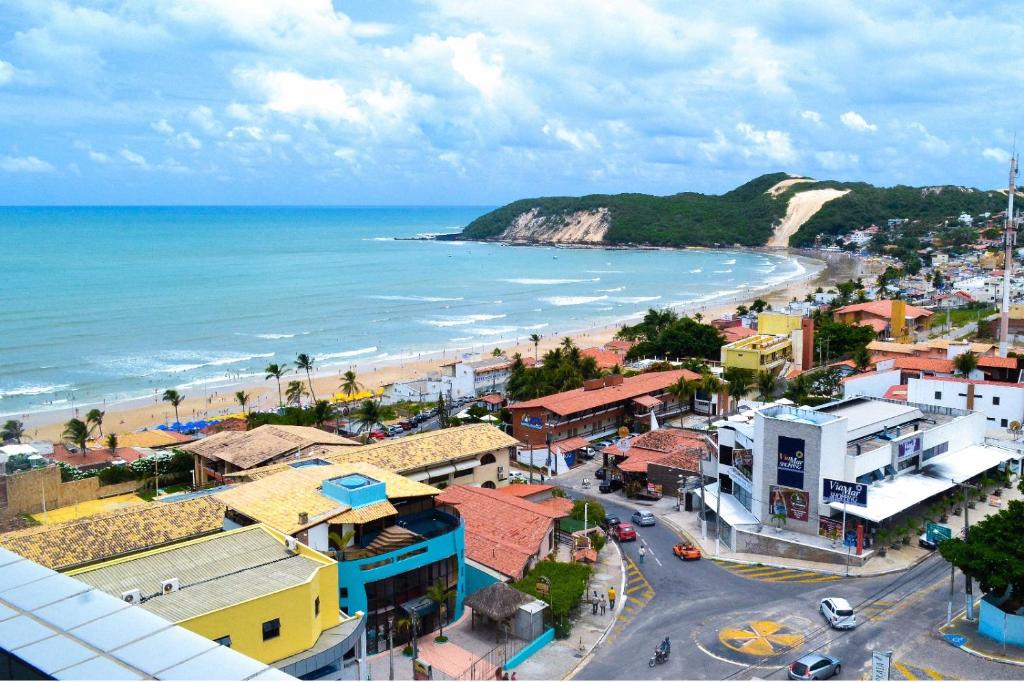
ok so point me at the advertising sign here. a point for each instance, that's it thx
(880, 664)
(421, 670)
(793, 503)
(908, 447)
(743, 461)
(937, 533)
(536, 423)
(844, 491)
(830, 528)
(791, 462)
(654, 488)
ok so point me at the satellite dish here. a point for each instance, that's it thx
(1015, 426)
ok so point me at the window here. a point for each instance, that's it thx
(938, 395)
(487, 459)
(272, 629)
(224, 641)
(343, 593)
(1003, 423)
(995, 400)
(316, 607)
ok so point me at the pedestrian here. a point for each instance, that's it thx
(611, 598)
(497, 673)
(514, 675)
(643, 551)
(604, 604)
(593, 603)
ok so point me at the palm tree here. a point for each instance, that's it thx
(95, 418)
(739, 380)
(295, 391)
(277, 371)
(369, 414)
(496, 353)
(77, 432)
(174, 398)
(243, 399)
(112, 443)
(13, 430)
(439, 593)
(683, 390)
(322, 411)
(711, 385)
(535, 340)
(349, 385)
(861, 357)
(305, 362)
(766, 385)
(567, 344)
(966, 363)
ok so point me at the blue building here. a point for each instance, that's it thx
(391, 538)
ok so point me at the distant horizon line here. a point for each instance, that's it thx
(22, 206)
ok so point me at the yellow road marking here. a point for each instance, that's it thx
(750, 569)
(634, 599)
(635, 589)
(934, 674)
(821, 579)
(649, 594)
(904, 670)
(777, 573)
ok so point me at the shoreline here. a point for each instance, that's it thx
(134, 414)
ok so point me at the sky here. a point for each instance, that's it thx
(309, 102)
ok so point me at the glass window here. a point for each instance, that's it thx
(224, 641)
(272, 629)
(316, 607)
(938, 395)
(1002, 422)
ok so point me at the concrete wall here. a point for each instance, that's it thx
(996, 624)
(964, 396)
(873, 385)
(764, 544)
(477, 579)
(27, 490)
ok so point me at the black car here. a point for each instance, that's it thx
(605, 487)
(599, 474)
(609, 521)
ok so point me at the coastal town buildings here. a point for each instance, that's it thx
(891, 319)
(657, 457)
(467, 378)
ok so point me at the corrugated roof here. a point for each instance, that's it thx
(247, 449)
(577, 400)
(111, 534)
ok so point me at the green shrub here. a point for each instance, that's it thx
(568, 582)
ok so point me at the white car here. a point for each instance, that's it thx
(838, 612)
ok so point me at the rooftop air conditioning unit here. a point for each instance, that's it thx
(291, 544)
(132, 596)
(170, 585)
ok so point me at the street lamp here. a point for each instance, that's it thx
(414, 620)
(391, 650)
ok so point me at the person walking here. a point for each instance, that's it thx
(594, 603)
(611, 598)
(604, 604)
(642, 552)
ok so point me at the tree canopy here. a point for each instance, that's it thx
(993, 554)
(663, 333)
(563, 369)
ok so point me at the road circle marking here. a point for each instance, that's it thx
(760, 638)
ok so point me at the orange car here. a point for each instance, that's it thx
(686, 551)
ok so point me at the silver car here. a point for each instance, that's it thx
(838, 612)
(814, 667)
(643, 518)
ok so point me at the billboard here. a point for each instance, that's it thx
(909, 447)
(529, 422)
(789, 501)
(791, 462)
(844, 491)
(830, 528)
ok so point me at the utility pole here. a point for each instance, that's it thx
(1008, 239)
(968, 587)
(391, 649)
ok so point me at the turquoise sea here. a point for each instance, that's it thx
(109, 304)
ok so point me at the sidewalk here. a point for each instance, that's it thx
(562, 658)
(964, 635)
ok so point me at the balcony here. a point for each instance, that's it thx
(407, 531)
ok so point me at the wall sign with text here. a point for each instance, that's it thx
(791, 462)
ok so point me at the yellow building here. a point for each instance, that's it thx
(759, 353)
(779, 324)
(253, 589)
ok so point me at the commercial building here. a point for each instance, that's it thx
(54, 627)
(771, 466)
(469, 378)
(252, 589)
(759, 353)
(597, 409)
(232, 451)
(891, 319)
(473, 454)
(658, 457)
(390, 537)
(1002, 403)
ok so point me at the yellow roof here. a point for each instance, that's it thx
(413, 452)
(148, 439)
(371, 512)
(360, 395)
(277, 499)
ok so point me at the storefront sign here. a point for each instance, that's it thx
(908, 447)
(791, 462)
(830, 528)
(421, 670)
(880, 664)
(654, 488)
(536, 423)
(743, 461)
(793, 503)
(845, 492)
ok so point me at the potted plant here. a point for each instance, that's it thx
(907, 530)
(779, 519)
(958, 499)
(882, 538)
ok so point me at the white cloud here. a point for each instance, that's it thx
(187, 139)
(346, 154)
(812, 116)
(288, 92)
(135, 159)
(251, 132)
(774, 145)
(454, 160)
(930, 143)
(577, 139)
(24, 164)
(6, 72)
(854, 121)
(468, 62)
(98, 157)
(203, 117)
(239, 111)
(1000, 156)
(163, 127)
(717, 148)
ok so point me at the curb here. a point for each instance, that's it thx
(611, 623)
(773, 564)
(988, 657)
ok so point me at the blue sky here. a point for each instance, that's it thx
(444, 102)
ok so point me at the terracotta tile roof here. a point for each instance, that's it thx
(524, 489)
(619, 345)
(248, 449)
(502, 531)
(874, 323)
(923, 364)
(152, 439)
(570, 444)
(606, 359)
(491, 399)
(91, 459)
(883, 308)
(654, 446)
(577, 400)
(995, 361)
(277, 499)
(559, 505)
(647, 401)
(738, 332)
(897, 392)
(90, 539)
(233, 424)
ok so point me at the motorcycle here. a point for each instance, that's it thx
(659, 657)
(586, 483)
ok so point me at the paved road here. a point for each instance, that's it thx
(732, 622)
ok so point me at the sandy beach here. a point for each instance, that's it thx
(148, 413)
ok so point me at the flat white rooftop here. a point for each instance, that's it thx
(864, 416)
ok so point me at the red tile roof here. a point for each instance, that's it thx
(874, 323)
(558, 505)
(491, 399)
(577, 400)
(732, 334)
(93, 458)
(570, 444)
(897, 392)
(994, 361)
(883, 309)
(922, 364)
(647, 401)
(619, 345)
(605, 358)
(655, 446)
(502, 531)
(524, 489)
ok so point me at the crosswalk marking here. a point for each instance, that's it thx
(774, 574)
(904, 670)
(635, 588)
(636, 596)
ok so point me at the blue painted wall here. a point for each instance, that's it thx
(477, 579)
(991, 625)
(531, 648)
(352, 576)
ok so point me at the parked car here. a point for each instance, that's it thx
(605, 487)
(516, 477)
(378, 434)
(587, 453)
(814, 667)
(406, 424)
(395, 430)
(610, 520)
(838, 612)
(642, 517)
(624, 532)
(926, 543)
(599, 474)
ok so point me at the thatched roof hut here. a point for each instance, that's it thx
(497, 601)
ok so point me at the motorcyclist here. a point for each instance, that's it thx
(665, 648)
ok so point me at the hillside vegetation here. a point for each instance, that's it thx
(747, 215)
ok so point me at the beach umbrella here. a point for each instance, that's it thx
(161, 427)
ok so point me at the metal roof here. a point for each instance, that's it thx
(70, 631)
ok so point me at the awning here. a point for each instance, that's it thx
(570, 444)
(418, 476)
(648, 401)
(441, 470)
(468, 464)
(420, 605)
(734, 513)
(890, 497)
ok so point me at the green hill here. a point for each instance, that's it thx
(746, 215)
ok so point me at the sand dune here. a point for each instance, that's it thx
(801, 207)
(782, 186)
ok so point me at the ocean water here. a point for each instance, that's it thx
(102, 305)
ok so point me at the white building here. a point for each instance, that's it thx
(981, 288)
(1002, 403)
(469, 379)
